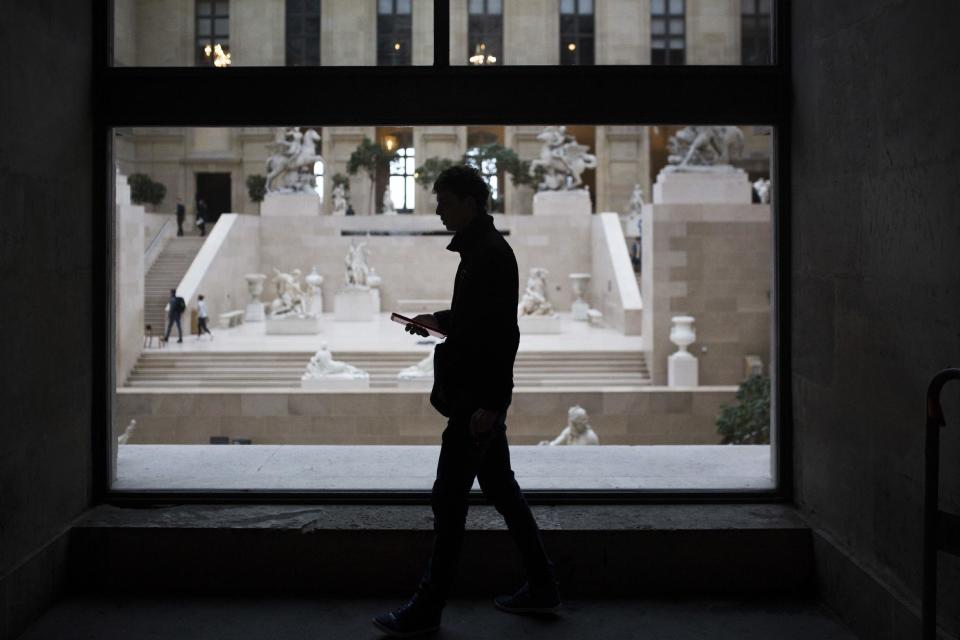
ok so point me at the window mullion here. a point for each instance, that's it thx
(441, 33)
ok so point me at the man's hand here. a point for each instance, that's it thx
(423, 318)
(482, 422)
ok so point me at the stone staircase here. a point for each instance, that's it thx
(165, 274)
(172, 369)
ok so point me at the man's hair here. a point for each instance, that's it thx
(200, 297)
(462, 181)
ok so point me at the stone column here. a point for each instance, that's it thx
(338, 144)
(257, 33)
(713, 31)
(458, 32)
(165, 34)
(422, 44)
(348, 33)
(531, 32)
(523, 140)
(623, 160)
(622, 30)
(442, 142)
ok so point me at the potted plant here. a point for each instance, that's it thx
(369, 157)
(143, 190)
(257, 188)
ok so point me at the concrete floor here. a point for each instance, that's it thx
(414, 467)
(235, 618)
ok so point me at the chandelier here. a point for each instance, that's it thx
(220, 57)
(480, 55)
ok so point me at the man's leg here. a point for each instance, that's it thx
(179, 330)
(500, 487)
(169, 328)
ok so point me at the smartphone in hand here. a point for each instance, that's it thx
(405, 321)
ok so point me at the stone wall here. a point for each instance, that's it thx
(714, 262)
(875, 291)
(645, 415)
(48, 277)
(420, 266)
(613, 287)
(129, 278)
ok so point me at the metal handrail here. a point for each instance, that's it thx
(933, 518)
(156, 237)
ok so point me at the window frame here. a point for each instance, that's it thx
(584, 28)
(669, 53)
(201, 59)
(400, 30)
(752, 32)
(485, 28)
(126, 96)
(302, 37)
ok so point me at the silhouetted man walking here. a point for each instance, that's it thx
(473, 383)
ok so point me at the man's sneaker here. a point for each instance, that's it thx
(417, 617)
(527, 600)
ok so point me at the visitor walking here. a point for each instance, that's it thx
(202, 217)
(175, 308)
(181, 216)
(473, 384)
(202, 317)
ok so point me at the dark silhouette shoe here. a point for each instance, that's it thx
(527, 600)
(417, 617)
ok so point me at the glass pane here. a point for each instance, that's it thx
(586, 7)
(494, 7)
(658, 43)
(162, 33)
(658, 26)
(658, 7)
(764, 6)
(676, 26)
(623, 199)
(677, 43)
(476, 7)
(748, 7)
(676, 7)
(568, 6)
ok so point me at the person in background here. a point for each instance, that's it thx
(181, 215)
(202, 317)
(175, 309)
(202, 216)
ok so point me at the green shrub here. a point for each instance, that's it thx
(747, 421)
(143, 190)
(257, 187)
(339, 178)
(427, 173)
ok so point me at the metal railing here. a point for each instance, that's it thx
(941, 530)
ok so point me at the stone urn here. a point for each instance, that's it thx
(682, 333)
(682, 366)
(579, 308)
(255, 311)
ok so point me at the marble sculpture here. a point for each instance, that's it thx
(291, 299)
(762, 187)
(577, 432)
(636, 201)
(357, 269)
(697, 148)
(534, 300)
(290, 166)
(420, 371)
(339, 200)
(323, 366)
(388, 208)
(562, 160)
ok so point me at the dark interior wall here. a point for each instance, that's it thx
(46, 282)
(876, 289)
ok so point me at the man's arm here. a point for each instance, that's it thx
(443, 320)
(496, 336)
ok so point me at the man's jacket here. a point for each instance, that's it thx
(473, 368)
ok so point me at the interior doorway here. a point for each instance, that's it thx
(214, 189)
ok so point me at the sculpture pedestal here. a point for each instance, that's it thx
(354, 304)
(714, 185)
(551, 203)
(308, 326)
(579, 310)
(540, 324)
(254, 312)
(682, 370)
(415, 384)
(334, 383)
(290, 204)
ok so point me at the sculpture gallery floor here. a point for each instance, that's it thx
(383, 335)
(313, 467)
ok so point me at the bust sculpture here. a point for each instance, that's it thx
(762, 187)
(322, 365)
(534, 300)
(577, 432)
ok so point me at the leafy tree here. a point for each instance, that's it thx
(427, 173)
(257, 187)
(339, 178)
(507, 161)
(747, 421)
(369, 157)
(143, 190)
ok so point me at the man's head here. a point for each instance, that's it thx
(173, 292)
(200, 297)
(461, 196)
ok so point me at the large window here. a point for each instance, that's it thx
(755, 31)
(213, 33)
(402, 185)
(576, 31)
(485, 32)
(668, 39)
(303, 33)
(394, 32)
